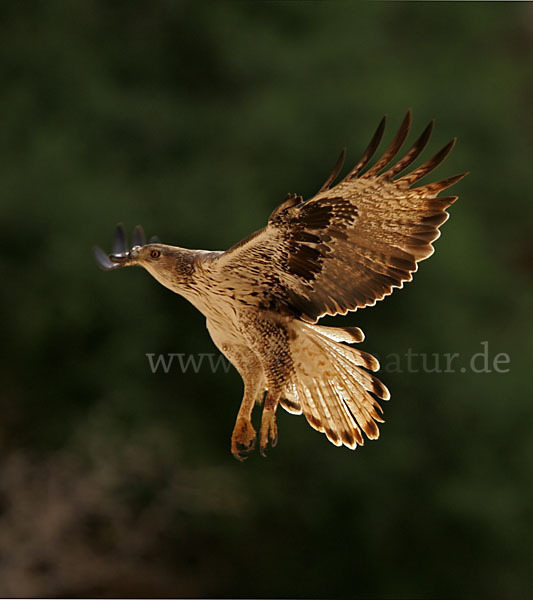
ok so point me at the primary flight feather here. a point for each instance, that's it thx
(345, 248)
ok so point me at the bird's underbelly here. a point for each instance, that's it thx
(225, 333)
(237, 328)
(221, 320)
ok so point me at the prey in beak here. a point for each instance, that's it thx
(121, 256)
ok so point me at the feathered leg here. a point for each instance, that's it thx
(268, 341)
(269, 429)
(247, 364)
(244, 435)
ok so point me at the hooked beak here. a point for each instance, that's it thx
(121, 256)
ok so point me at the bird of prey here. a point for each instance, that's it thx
(345, 248)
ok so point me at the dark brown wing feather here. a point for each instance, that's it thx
(350, 245)
(335, 173)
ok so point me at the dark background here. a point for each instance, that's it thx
(196, 121)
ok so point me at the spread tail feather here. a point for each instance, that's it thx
(332, 386)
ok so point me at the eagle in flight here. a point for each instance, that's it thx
(345, 248)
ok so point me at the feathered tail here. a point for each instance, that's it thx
(331, 385)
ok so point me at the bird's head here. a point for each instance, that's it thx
(170, 265)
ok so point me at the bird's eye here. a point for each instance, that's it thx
(155, 254)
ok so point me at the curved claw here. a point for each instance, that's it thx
(243, 439)
(102, 260)
(139, 239)
(120, 245)
(269, 431)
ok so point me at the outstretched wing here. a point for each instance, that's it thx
(351, 244)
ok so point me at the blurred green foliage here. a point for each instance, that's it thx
(195, 120)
